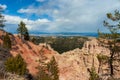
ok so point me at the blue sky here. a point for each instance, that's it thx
(58, 15)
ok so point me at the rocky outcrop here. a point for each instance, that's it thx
(75, 64)
(72, 66)
(93, 47)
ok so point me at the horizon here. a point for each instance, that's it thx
(81, 16)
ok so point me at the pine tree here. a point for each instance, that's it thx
(2, 20)
(111, 37)
(22, 29)
(53, 69)
(6, 42)
(49, 71)
(16, 65)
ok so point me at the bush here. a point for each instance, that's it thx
(93, 74)
(6, 42)
(102, 58)
(16, 65)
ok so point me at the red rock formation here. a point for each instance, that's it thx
(30, 52)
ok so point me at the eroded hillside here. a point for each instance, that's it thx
(73, 65)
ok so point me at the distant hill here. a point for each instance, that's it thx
(64, 34)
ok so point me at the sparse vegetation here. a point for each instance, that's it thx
(102, 58)
(93, 74)
(6, 42)
(16, 65)
(49, 71)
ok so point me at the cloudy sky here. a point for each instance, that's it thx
(58, 15)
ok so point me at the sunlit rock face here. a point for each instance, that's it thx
(74, 65)
(93, 47)
(31, 53)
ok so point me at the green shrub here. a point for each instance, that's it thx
(6, 42)
(102, 58)
(93, 74)
(16, 65)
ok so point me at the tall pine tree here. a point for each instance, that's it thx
(23, 31)
(112, 38)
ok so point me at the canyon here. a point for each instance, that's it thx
(73, 65)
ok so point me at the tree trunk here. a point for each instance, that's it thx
(111, 64)
(99, 68)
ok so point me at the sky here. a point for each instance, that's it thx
(58, 15)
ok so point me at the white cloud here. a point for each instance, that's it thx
(40, 0)
(3, 6)
(74, 15)
(27, 11)
(30, 24)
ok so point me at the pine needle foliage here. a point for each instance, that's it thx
(23, 31)
(16, 65)
(7, 42)
(112, 37)
(49, 71)
(53, 69)
(93, 74)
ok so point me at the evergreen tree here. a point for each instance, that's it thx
(93, 74)
(6, 42)
(49, 71)
(2, 20)
(16, 65)
(111, 37)
(22, 29)
(53, 69)
(42, 74)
